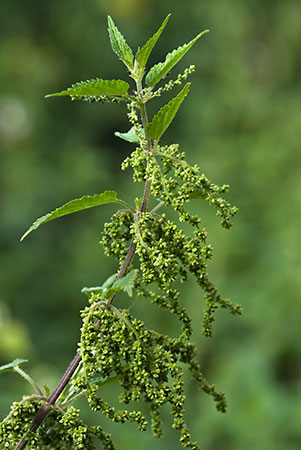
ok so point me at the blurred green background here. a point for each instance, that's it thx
(241, 124)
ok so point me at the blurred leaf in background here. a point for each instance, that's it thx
(241, 123)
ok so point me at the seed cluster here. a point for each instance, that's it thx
(171, 83)
(167, 254)
(116, 235)
(60, 430)
(143, 361)
(146, 364)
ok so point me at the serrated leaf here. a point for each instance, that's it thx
(119, 45)
(87, 201)
(109, 281)
(110, 288)
(143, 53)
(129, 136)
(158, 71)
(164, 117)
(94, 88)
(127, 283)
(11, 366)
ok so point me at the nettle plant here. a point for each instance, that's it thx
(153, 253)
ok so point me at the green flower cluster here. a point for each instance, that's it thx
(175, 182)
(147, 365)
(165, 252)
(171, 83)
(60, 431)
(116, 235)
(17, 423)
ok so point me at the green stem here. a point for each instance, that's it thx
(71, 398)
(121, 202)
(30, 380)
(138, 232)
(144, 117)
(173, 158)
(157, 207)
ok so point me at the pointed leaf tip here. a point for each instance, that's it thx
(143, 53)
(119, 45)
(158, 71)
(79, 204)
(161, 121)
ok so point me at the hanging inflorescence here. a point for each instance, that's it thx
(146, 364)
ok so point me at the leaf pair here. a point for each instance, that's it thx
(137, 66)
(124, 52)
(98, 87)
